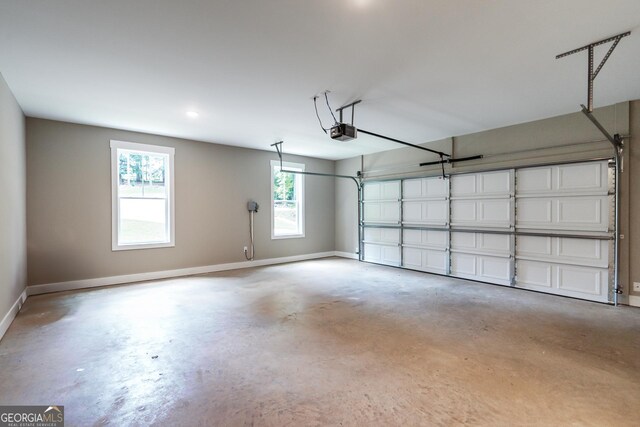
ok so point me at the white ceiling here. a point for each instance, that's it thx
(425, 69)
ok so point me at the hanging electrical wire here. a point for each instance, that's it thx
(315, 105)
(326, 98)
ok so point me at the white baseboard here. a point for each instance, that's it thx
(13, 312)
(634, 301)
(346, 255)
(155, 275)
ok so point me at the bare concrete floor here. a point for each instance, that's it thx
(323, 342)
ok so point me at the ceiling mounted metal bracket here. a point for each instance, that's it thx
(591, 76)
(278, 146)
(353, 110)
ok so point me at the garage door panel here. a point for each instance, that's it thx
(382, 254)
(496, 182)
(412, 258)
(559, 180)
(482, 243)
(463, 264)
(463, 211)
(412, 189)
(382, 235)
(435, 187)
(435, 260)
(484, 184)
(372, 252)
(482, 267)
(372, 211)
(534, 273)
(412, 212)
(430, 260)
(534, 246)
(391, 190)
(412, 237)
(426, 238)
(464, 185)
(495, 269)
(382, 212)
(391, 212)
(576, 213)
(569, 280)
(584, 251)
(585, 177)
(587, 252)
(382, 190)
(372, 191)
(587, 213)
(425, 188)
(464, 241)
(580, 279)
(495, 211)
(534, 213)
(391, 255)
(436, 212)
(534, 181)
(432, 212)
(496, 243)
(482, 213)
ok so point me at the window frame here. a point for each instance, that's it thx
(116, 145)
(300, 198)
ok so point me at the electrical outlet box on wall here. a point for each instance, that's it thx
(636, 286)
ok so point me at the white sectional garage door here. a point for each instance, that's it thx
(541, 228)
(425, 203)
(381, 207)
(565, 199)
(483, 201)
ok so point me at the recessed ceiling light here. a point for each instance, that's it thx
(192, 114)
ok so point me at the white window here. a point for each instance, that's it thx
(287, 201)
(142, 196)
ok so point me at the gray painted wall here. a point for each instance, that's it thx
(69, 205)
(13, 233)
(519, 145)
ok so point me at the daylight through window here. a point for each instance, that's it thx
(287, 201)
(142, 192)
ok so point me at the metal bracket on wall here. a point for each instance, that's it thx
(451, 161)
(593, 74)
(615, 140)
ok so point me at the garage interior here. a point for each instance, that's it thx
(321, 213)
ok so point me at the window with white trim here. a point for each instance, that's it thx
(142, 196)
(287, 201)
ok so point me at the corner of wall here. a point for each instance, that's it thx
(13, 176)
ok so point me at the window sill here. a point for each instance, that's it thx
(116, 248)
(288, 236)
